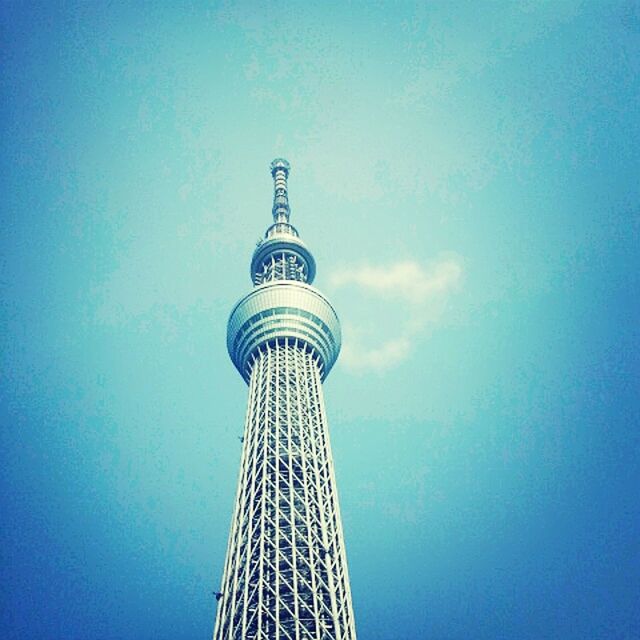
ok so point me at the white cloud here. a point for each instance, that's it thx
(406, 280)
(423, 290)
(386, 356)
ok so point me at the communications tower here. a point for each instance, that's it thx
(285, 576)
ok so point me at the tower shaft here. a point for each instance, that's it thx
(285, 575)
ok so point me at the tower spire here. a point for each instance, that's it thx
(281, 255)
(280, 171)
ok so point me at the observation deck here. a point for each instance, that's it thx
(283, 307)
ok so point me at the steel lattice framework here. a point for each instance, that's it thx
(285, 576)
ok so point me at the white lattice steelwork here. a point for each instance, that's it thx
(285, 575)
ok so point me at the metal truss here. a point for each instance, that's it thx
(282, 266)
(285, 576)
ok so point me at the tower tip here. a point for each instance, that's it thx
(279, 163)
(280, 172)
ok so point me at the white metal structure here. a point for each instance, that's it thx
(285, 575)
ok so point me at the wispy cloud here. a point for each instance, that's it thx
(407, 280)
(422, 292)
(386, 356)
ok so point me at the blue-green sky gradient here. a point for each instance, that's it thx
(467, 176)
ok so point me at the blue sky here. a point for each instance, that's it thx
(466, 175)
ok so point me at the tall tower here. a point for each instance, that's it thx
(285, 576)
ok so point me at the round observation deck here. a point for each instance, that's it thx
(280, 310)
(286, 243)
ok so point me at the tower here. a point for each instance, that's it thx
(285, 576)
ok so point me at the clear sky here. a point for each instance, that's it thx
(467, 176)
